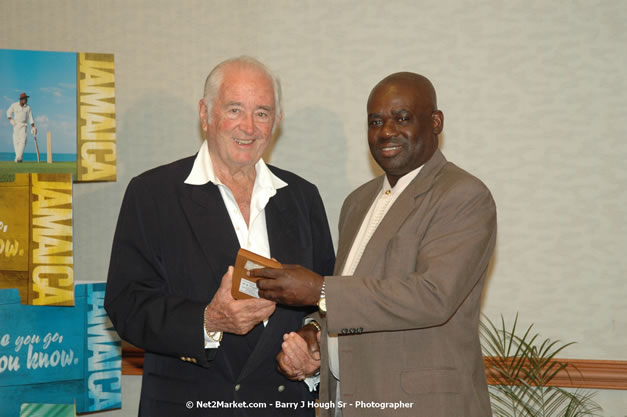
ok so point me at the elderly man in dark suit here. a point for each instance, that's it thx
(399, 320)
(179, 230)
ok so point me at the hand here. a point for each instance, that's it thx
(300, 356)
(33, 130)
(12, 122)
(292, 285)
(227, 314)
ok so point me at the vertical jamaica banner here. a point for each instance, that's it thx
(96, 156)
(36, 255)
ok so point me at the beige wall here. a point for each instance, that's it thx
(534, 95)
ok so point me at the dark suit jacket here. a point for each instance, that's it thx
(408, 318)
(172, 245)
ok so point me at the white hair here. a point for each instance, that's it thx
(214, 80)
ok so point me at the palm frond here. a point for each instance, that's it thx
(523, 366)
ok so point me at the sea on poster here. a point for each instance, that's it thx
(58, 114)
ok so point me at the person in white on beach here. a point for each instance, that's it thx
(19, 113)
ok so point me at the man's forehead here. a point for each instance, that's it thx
(397, 95)
(392, 101)
(245, 87)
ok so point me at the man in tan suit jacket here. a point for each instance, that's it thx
(405, 297)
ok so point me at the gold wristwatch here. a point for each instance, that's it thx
(316, 325)
(215, 336)
(322, 302)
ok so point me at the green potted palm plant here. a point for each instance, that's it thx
(521, 366)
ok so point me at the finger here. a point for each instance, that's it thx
(256, 316)
(285, 365)
(270, 295)
(302, 346)
(283, 361)
(268, 284)
(313, 342)
(266, 313)
(291, 350)
(254, 304)
(297, 350)
(310, 356)
(314, 348)
(247, 310)
(282, 368)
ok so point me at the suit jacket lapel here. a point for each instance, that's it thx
(354, 219)
(211, 224)
(283, 247)
(398, 213)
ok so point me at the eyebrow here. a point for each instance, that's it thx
(238, 104)
(394, 113)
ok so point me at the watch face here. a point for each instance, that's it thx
(322, 305)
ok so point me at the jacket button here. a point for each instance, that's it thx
(237, 387)
(281, 388)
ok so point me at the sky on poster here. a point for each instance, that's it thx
(49, 78)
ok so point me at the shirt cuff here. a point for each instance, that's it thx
(209, 342)
(308, 320)
(313, 382)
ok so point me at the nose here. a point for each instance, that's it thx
(389, 129)
(248, 124)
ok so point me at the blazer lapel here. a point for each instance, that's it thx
(353, 222)
(211, 224)
(284, 247)
(398, 213)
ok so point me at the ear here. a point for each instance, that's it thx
(204, 115)
(437, 117)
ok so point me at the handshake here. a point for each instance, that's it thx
(300, 357)
(290, 285)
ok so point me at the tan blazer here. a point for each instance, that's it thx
(408, 318)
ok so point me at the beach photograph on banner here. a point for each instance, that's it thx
(58, 114)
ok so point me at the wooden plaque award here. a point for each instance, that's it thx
(245, 287)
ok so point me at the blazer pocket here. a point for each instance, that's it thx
(424, 381)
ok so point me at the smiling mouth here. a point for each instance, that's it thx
(390, 151)
(243, 141)
(390, 148)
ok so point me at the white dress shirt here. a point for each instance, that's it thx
(254, 236)
(378, 209)
(20, 114)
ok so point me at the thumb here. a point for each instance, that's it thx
(227, 279)
(314, 346)
(315, 351)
